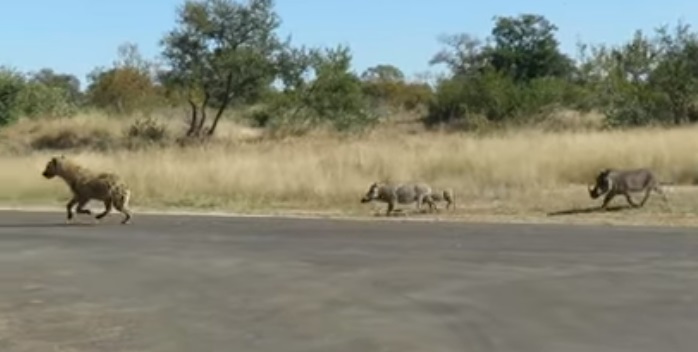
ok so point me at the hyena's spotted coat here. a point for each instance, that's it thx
(86, 185)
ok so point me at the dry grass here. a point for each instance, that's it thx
(514, 174)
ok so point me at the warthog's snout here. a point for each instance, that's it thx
(47, 174)
(365, 199)
(594, 192)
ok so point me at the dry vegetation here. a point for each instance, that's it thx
(520, 174)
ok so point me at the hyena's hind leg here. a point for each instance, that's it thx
(107, 209)
(121, 204)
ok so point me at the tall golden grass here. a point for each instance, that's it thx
(515, 172)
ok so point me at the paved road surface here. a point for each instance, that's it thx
(200, 284)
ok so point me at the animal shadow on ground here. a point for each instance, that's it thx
(400, 213)
(596, 209)
(43, 225)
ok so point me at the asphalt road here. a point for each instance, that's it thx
(254, 284)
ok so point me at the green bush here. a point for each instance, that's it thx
(11, 85)
(40, 100)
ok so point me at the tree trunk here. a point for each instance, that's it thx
(219, 113)
(202, 121)
(224, 104)
(194, 119)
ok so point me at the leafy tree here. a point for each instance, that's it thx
(318, 88)
(676, 76)
(221, 53)
(127, 86)
(41, 100)
(386, 84)
(514, 75)
(463, 54)
(650, 79)
(65, 82)
(525, 48)
(11, 85)
(383, 73)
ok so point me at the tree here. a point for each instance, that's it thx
(125, 87)
(65, 82)
(525, 48)
(463, 54)
(318, 89)
(11, 85)
(677, 74)
(220, 54)
(386, 84)
(383, 73)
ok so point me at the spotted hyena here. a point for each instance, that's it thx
(86, 185)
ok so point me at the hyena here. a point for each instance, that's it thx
(612, 182)
(86, 185)
(399, 194)
(447, 195)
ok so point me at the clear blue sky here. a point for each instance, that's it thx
(75, 36)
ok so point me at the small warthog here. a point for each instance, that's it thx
(616, 182)
(399, 194)
(445, 195)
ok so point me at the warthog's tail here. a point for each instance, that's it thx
(660, 188)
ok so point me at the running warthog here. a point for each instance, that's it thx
(399, 194)
(613, 182)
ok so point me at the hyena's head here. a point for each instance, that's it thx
(53, 167)
(372, 193)
(602, 185)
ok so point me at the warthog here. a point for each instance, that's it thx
(445, 195)
(399, 194)
(616, 182)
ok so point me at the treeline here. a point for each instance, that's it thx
(223, 54)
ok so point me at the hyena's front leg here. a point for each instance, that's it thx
(81, 207)
(69, 208)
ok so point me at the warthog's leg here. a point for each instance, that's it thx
(69, 207)
(632, 203)
(391, 206)
(647, 195)
(107, 209)
(432, 205)
(660, 192)
(607, 199)
(420, 200)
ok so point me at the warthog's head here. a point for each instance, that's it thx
(371, 194)
(53, 167)
(602, 186)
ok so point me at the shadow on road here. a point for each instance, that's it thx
(44, 225)
(596, 209)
